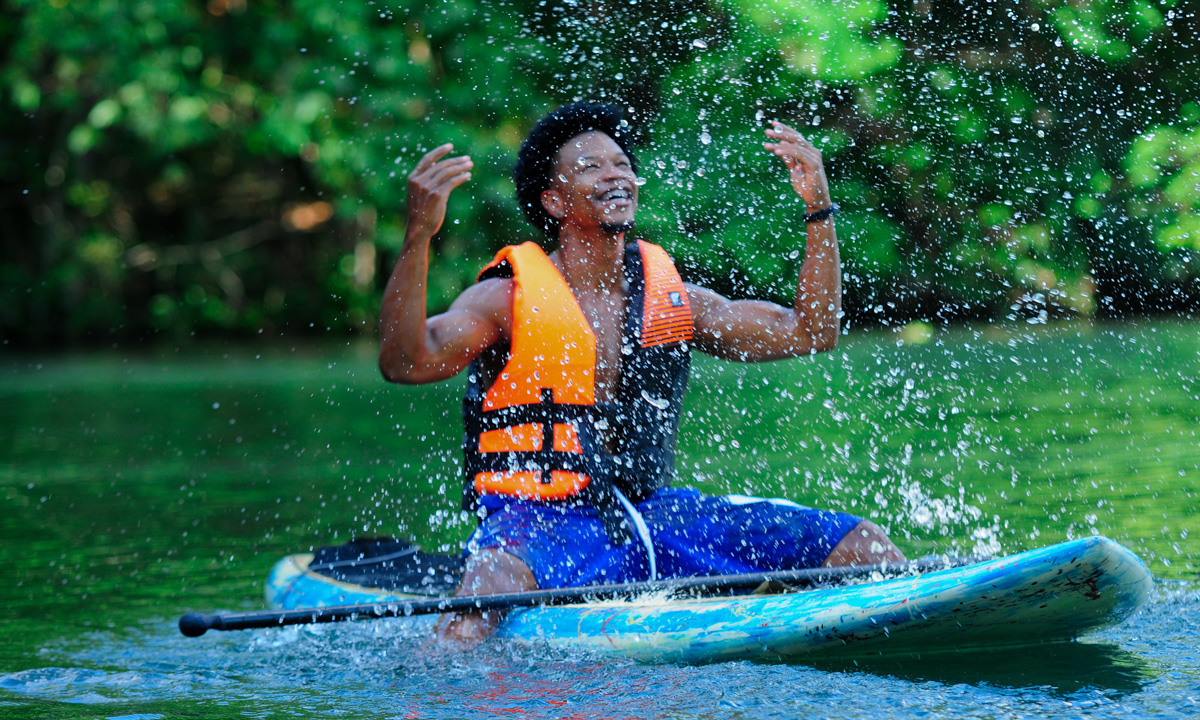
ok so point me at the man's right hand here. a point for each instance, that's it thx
(429, 187)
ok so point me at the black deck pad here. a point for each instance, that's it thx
(389, 564)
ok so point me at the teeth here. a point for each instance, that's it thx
(616, 195)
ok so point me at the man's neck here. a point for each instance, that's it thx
(591, 262)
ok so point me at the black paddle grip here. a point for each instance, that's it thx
(195, 624)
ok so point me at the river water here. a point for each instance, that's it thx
(139, 485)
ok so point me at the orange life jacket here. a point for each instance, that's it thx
(535, 432)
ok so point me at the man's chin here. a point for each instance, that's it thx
(618, 228)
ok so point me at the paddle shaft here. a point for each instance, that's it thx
(196, 624)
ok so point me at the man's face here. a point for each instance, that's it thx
(593, 184)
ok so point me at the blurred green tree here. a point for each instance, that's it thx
(237, 166)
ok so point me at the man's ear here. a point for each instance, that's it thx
(553, 203)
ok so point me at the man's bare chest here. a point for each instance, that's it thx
(605, 316)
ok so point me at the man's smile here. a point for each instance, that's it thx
(616, 194)
(616, 199)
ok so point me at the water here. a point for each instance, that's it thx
(138, 486)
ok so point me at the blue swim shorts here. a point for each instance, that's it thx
(692, 534)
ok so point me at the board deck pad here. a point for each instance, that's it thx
(1051, 594)
(389, 564)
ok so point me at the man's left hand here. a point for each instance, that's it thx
(803, 162)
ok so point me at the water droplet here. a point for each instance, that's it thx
(700, 44)
(660, 403)
(705, 138)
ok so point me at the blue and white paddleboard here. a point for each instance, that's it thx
(1053, 594)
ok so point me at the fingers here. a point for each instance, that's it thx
(434, 176)
(432, 171)
(792, 147)
(430, 185)
(782, 132)
(803, 161)
(787, 138)
(433, 156)
(794, 154)
(439, 174)
(456, 180)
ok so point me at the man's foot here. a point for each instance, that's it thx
(866, 544)
(488, 572)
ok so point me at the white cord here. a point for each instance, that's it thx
(639, 523)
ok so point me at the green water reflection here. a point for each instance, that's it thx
(138, 485)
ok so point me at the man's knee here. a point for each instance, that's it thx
(488, 572)
(494, 571)
(866, 544)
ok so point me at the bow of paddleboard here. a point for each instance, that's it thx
(1052, 594)
(1047, 595)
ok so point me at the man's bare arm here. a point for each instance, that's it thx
(755, 330)
(414, 349)
(450, 341)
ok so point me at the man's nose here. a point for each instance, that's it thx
(615, 171)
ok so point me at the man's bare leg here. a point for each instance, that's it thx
(866, 544)
(487, 573)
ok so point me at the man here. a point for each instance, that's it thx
(578, 364)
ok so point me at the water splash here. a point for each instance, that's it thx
(384, 669)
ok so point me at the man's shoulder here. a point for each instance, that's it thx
(699, 291)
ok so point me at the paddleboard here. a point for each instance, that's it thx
(1052, 594)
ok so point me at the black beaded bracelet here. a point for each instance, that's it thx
(818, 216)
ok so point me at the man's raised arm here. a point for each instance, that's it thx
(754, 330)
(412, 348)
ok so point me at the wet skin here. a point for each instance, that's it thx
(593, 186)
(593, 194)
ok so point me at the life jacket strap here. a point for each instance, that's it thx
(643, 531)
(530, 461)
(479, 421)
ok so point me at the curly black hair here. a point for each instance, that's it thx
(536, 159)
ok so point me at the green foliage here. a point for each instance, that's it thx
(190, 167)
(1163, 166)
(176, 167)
(1109, 30)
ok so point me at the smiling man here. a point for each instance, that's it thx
(577, 365)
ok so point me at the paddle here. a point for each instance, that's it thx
(196, 624)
